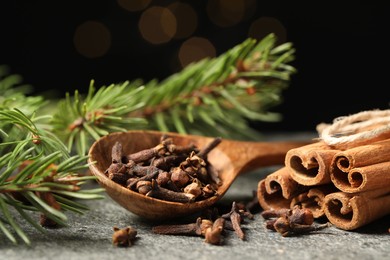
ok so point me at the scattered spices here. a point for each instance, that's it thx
(166, 171)
(211, 225)
(293, 221)
(124, 237)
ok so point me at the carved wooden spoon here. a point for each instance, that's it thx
(230, 158)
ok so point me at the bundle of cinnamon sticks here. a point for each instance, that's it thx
(350, 186)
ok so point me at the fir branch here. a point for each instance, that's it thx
(81, 120)
(36, 170)
(219, 96)
(25, 185)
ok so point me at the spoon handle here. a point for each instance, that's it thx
(247, 156)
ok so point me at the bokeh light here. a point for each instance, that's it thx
(266, 25)
(225, 13)
(186, 17)
(195, 49)
(92, 39)
(133, 5)
(157, 25)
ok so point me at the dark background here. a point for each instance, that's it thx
(342, 51)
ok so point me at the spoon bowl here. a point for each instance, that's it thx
(230, 158)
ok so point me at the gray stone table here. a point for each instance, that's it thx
(89, 236)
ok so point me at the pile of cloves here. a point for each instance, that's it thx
(166, 171)
(211, 225)
(290, 222)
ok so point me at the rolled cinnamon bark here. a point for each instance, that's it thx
(313, 199)
(277, 190)
(310, 164)
(350, 211)
(362, 168)
(271, 201)
(362, 179)
(362, 155)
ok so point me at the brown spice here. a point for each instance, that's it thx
(190, 229)
(235, 217)
(181, 173)
(213, 234)
(124, 237)
(289, 222)
(169, 195)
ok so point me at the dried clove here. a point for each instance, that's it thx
(288, 222)
(213, 234)
(124, 237)
(133, 182)
(179, 177)
(147, 154)
(143, 187)
(194, 188)
(235, 218)
(165, 194)
(212, 231)
(275, 213)
(191, 229)
(169, 161)
(176, 149)
(210, 146)
(116, 153)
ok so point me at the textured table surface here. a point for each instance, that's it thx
(89, 236)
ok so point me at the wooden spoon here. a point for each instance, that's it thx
(230, 158)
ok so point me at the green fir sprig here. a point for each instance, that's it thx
(38, 175)
(219, 96)
(81, 120)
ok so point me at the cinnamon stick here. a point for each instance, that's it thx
(313, 199)
(362, 168)
(277, 190)
(310, 164)
(362, 179)
(350, 211)
(271, 201)
(362, 155)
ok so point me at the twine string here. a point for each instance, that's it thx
(362, 126)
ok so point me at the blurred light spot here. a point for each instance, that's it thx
(195, 49)
(226, 13)
(133, 5)
(157, 25)
(266, 25)
(92, 39)
(186, 17)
